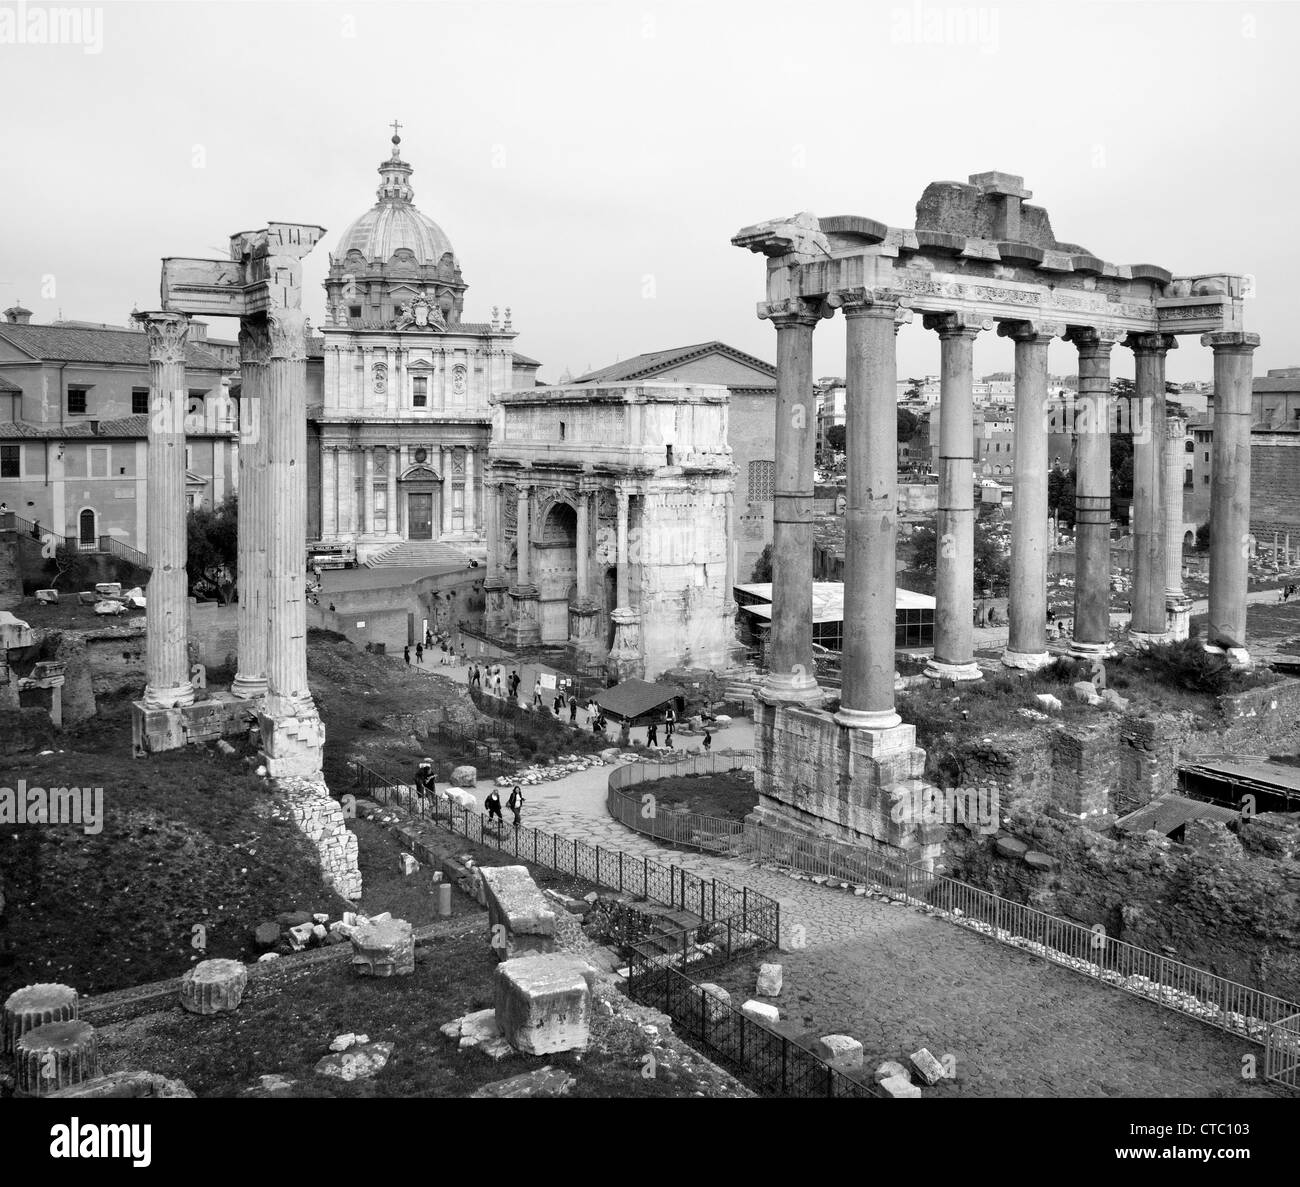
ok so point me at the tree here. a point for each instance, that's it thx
(1060, 496)
(762, 567)
(908, 423)
(213, 538)
(835, 437)
(69, 563)
(992, 568)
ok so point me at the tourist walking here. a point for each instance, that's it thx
(652, 734)
(669, 718)
(424, 784)
(515, 803)
(514, 684)
(419, 653)
(476, 677)
(557, 705)
(573, 709)
(537, 692)
(406, 654)
(708, 741)
(493, 806)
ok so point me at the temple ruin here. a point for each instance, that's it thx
(978, 255)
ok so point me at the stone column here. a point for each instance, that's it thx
(391, 464)
(582, 547)
(329, 518)
(1092, 493)
(446, 489)
(1178, 606)
(494, 609)
(1027, 605)
(525, 628)
(254, 524)
(791, 676)
(469, 489)
(286, 511)
(167, 664)
(583, 609)
(1230, 491)
(524, 574)
(622, 584)
(370, 490)
(625, 652)
(1149, 622)
(954, 567)
(871, 513)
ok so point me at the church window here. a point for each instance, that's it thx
(354, 311)
(139, 400)
(420, 391)
(9, 461)
(762, 480)
(77, 401)
(561, 430)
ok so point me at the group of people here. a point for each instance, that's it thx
(444, 642)
(515, 803)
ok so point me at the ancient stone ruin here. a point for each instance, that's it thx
(977, 256)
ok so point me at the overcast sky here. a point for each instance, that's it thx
(590, 162)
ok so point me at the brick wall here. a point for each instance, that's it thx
(1274, 484)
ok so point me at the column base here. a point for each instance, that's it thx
(292, 747)
(524, 629)
(1025, 661)
(1238, 657)
(867, 719)
(1147, 638)
(1178, 617)
(248, 688)
(938, 669)
(625, 658)
(582, 625)
(167, 697)
(1081, 650)
(789, 689)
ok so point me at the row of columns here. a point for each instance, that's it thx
(272, 514)
(872, 320)
(330, 525)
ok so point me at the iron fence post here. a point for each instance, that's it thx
(645, 877)
(555, 851)
(575, 857)
(744, 908)
(620, 871)
(713, 904)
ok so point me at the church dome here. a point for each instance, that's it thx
(393, 223)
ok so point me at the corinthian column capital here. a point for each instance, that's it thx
(288, 335)
(863, 301)
(167, 334)
(1031, 331)
(254, 343)
(1230, 341)
(792, 311)
(1095, 338)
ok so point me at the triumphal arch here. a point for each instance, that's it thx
(978, 257)
(607, 517)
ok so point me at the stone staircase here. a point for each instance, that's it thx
(741, 683)
(418, 554)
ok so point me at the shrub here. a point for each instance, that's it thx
(1186, 664)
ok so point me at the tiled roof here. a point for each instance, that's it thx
(642, 365)
(77, 344)
(523, 360)
(124, 427)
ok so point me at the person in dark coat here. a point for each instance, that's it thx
(406, 654)
(708, 740)
(493, 806)
(516, 803)
(419, 653)
(652, 734)
(573, 709)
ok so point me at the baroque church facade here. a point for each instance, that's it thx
(403, 422)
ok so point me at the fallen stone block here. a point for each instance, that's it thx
(842, 1052)
(521, 920)
(1038, 861)
(301, 935)
(1085, 692)
(769, 980)
(213, 986)
(465, 776)
(715, 1002)
(1046, 701)
(1111, 698)
(409, 865)
(891, 1067)
(543, 1003)
(1011, 847)
(122, 1085)
(544, 1082)
(33, 1006)
(383, 949)
(899, 1087)
(360, 1063)
(761, 1012)
(926, 1066)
